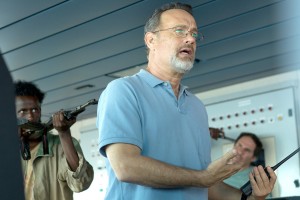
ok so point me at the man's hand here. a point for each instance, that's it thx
(60, 123)
(216, 133)
(223, 168)
(262, 186)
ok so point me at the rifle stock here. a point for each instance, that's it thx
(43, 128)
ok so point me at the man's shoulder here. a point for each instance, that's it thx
(124, 85)
(127, 80)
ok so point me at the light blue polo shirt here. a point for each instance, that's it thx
(142, 110)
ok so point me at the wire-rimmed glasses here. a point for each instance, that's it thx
(183, 32)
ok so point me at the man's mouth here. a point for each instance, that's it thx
(187, 51)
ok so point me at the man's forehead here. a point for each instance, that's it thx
(27, 101)
(247, 141)
(177, 16)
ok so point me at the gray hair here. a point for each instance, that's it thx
(154, 21)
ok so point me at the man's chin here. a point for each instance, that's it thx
(183, 70)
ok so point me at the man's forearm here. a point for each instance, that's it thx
(222, 191)
(130, 166)
(153, 173)
(69, 150)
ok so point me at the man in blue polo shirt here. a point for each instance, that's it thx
(155, 133)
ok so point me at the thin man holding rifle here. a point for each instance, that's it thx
(63, 169)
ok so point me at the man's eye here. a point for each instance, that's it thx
(21, 112)
(179, 31)
(34, 110)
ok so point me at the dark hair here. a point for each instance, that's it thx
(154, 21)
(256, 140)
(23, 88)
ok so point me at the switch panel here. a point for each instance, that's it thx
(267, 114)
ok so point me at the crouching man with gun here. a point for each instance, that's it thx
(53, 165)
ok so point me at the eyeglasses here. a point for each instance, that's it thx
(183, 32)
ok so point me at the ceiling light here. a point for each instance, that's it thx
(84, 87)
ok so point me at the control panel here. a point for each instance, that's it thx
(268, 115)
(90, 148)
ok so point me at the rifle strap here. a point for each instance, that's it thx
(25, 149)
(45, 141)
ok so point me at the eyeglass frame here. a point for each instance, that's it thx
(175, 28)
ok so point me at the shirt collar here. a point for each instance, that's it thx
(154, 81)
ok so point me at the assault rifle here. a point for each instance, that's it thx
(43, 128)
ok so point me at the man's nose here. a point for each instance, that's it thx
(29, 116)
(190, 39)
(239, 150)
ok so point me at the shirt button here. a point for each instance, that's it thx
(165, 84)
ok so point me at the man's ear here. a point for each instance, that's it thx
(149, 39)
